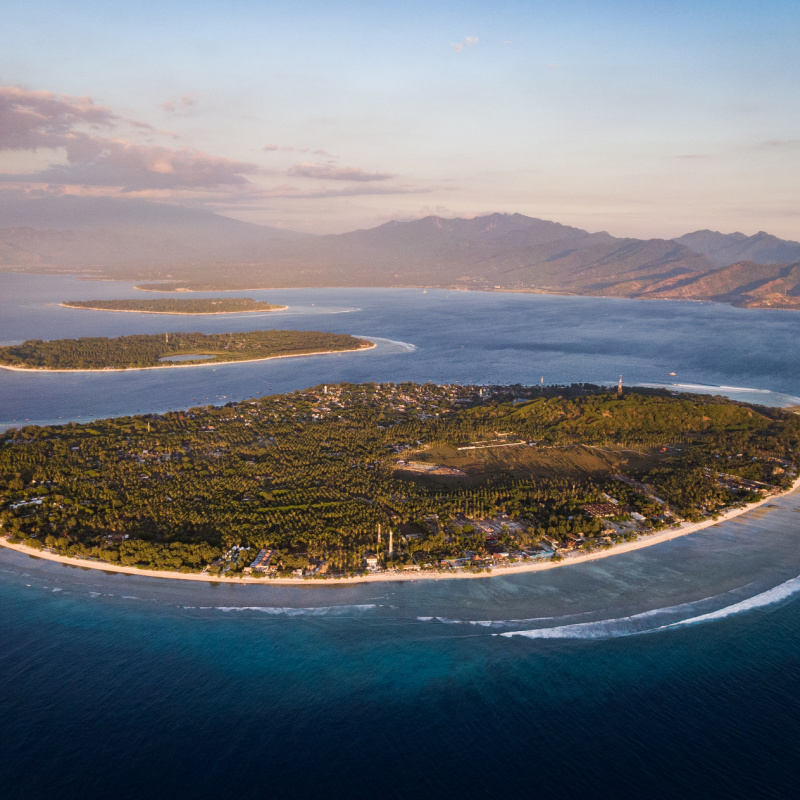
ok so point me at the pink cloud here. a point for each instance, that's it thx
(134, 167)
(33, 120)
(469, 41)
(328, 172)
(183, 102)
(292, 193)
(42, 120)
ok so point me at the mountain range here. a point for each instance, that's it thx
(195, 248)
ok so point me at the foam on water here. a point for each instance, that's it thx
(407, 346)
(775, 595)
(776, 398)
(289, 611)
(638, 623)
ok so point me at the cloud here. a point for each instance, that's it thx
(693, 156)
(133, 167)
(332, 173)
(33, 120)
(183, 102)
(271, 148)
(781, 143)
(292, 193)
(84, 132)
(469, 41)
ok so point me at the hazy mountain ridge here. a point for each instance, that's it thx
(142, 240)
(728, 248)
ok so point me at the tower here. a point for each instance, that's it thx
(379, 536)
(391, 543)
(619, 387)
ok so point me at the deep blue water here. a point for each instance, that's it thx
(671, 671)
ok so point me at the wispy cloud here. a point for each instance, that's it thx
(271, 148)
(781, 143)
(469, 41)
(292, 193)
(333, 173)
(180, 104)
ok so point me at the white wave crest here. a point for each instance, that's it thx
(775, 595)
(487, 623)
(289, 611)
(637, 623)
(407, 346)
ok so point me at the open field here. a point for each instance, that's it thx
(531, 461)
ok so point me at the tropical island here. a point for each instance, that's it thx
(387, 480)
(184, 305)
(161, 350)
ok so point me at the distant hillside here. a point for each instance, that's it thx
(196, 249)
(728, 248)
(126, 237)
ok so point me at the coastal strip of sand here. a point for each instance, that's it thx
(174, 365)
(422, 575)
(177, 313)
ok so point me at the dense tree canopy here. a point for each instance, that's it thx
(149, 350)
(313, 473)
(178, 305)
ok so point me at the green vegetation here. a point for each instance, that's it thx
(226, 285)
(312, 474)
(183, 305)
(148, 350)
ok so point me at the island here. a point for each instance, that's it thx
(390, 481)
(169, 305)
(161, 350)
(226, 285)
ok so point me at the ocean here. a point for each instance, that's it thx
(672, 670)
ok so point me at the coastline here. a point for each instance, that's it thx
(627, 547)
(176, 313)
(174, 365)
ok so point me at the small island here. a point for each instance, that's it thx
(162, 350)
(386, 481)
(169, 305)
(218, 285)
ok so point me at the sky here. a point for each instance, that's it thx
(644, 118)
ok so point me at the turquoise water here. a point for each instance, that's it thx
(670, 671)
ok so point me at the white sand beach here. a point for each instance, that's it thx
(409, 575)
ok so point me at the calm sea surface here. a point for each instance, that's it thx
(672, 671)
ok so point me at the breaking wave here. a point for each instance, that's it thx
(642, 623)
(491, 623)
(288, 611)
(775, 595)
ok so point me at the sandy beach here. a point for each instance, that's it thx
(176, 313)
(185, 364)
(408, 575)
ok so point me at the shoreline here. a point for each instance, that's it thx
(176, 313)
(409, 575)
(174, 365)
